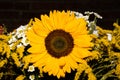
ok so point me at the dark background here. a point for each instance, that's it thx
(14, 13)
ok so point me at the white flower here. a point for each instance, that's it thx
(95, 32)
(80, 15)
(88, 12)
(32, 77)
(97, 15)
(19, 45)
(31, 68)
(18, 34)
(13, 39)
(24, 40)
(109, 36)
(11, 45)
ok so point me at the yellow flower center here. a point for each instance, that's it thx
(59, 43)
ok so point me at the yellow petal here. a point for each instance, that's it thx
(77, 58)
(20, 77)
(39, 63)
(36, 49)
(54, 65)
(54, 70)
(61, 19)
(61, 61)
(46, 69)
(33, 37)
(60, 74)
(72, 63)
(67, 68)
(83, 41)
(81, 52)
(85, 53)
(52, 20)
(71, 26)
(37, 57)
(81, 28)
(46, 23)
(55, 19)
(49, 64)
(39, 28)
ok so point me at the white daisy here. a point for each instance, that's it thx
(31, 68)
(32, 77)
(19, 33)
(109, 36)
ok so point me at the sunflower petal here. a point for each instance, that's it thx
(39, 28)
(46, 23)
(37, 57)
(52, 20)
(72, 63)
(33, 37)
(81, 53)
(36, 49)
(83, 41)
(39, 63)
(81, 29)
(78, 59)
(55, 70)
(71, 26)
(60, 74)
(67, 68)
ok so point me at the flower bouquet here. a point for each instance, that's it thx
(64, 45)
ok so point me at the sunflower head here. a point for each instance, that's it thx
(59, 42)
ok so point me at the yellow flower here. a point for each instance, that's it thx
(20, 51)
(80, 69)
(26, 60)
(91, 76)
(117, 71)
(4, 47)
(84, 68)
(16, 59)
(2, 62)
(20, 77)
(58, 42)
(117, 44)
(116, 36)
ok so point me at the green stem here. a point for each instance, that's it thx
(107, 74)
(104, 66)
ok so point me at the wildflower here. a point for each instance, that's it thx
(32, 77)
(31, 68)
(56, 45)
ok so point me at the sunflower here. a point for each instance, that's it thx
(59, 42)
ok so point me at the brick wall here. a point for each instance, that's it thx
(14, 13)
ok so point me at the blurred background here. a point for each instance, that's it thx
(14, 13)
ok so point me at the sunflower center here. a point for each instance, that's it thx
(59, 43)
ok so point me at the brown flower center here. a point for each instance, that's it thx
(59, 43)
